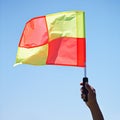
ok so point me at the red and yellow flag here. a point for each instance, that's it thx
(54, 39)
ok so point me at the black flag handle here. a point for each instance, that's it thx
(85, 91)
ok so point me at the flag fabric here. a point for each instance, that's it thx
(54, 39)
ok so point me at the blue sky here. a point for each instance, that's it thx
(53, 92)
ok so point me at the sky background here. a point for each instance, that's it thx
(53, 92)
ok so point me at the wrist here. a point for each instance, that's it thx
(93, 105)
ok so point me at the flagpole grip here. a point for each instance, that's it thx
(85, 91)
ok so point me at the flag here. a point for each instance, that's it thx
(54, 39)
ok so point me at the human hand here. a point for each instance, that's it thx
(91, 95)
(92, 102)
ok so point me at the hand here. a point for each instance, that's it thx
(92, 102)
(91, 95)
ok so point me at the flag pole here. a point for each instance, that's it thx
(85, 79)
(85, 71)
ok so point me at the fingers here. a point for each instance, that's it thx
(88, 87)
(84, 93)
(83, 96)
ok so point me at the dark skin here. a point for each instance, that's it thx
(92, 102)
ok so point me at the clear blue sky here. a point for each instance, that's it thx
(51, 92)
